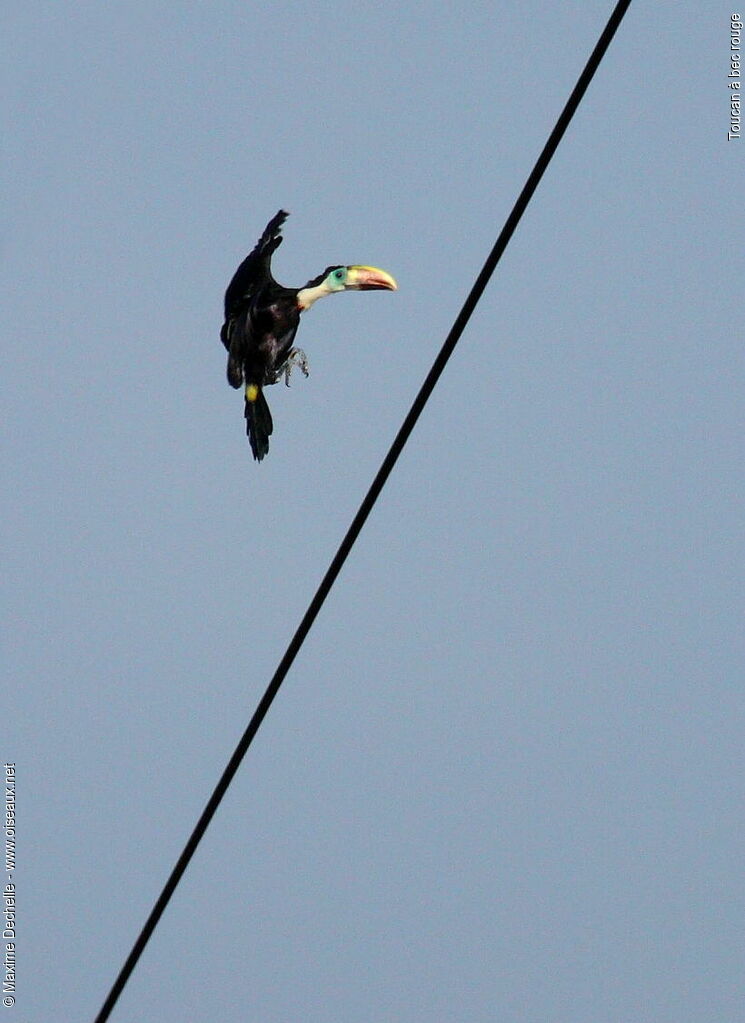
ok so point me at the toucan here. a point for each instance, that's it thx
(261, 320)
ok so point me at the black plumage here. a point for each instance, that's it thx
(261, 320)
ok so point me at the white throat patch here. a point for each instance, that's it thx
(307, 296)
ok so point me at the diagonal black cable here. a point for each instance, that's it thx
(367, 505)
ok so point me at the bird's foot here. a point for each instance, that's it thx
(296, 357)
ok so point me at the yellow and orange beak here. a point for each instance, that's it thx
(369, 278)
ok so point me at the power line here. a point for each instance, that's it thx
(369, 501)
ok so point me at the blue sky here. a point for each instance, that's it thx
(504, 777)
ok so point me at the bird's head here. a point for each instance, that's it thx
(357, 278)
(345, 278)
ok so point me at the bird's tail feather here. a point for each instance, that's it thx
(259, 424)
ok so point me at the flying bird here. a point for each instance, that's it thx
(261, 320)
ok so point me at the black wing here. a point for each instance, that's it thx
(253, 273)
(255, 269)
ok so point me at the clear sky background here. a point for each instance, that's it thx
(504, 779)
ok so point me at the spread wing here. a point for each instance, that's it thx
(253, 273)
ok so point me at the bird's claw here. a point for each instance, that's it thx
(296, 357)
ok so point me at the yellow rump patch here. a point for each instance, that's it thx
(252, 392)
